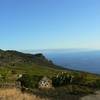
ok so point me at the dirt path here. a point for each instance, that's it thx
(96, 96)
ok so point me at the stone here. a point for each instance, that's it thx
(45, 83)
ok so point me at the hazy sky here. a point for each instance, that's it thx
(44, 24)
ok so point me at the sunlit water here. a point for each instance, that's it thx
(85, 61)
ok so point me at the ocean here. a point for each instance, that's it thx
(83, 60)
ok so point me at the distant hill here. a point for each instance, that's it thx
(13, 58)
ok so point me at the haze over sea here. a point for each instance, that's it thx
(78, 59)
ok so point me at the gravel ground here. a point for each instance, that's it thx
(96, 96)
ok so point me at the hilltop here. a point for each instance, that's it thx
(12, 58)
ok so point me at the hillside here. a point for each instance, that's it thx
(12, 58)
(17, 62)
(34, 67)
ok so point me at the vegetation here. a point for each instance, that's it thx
(71, 83)
(30, 81)
(34, 67)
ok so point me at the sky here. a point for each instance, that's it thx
(49, 24)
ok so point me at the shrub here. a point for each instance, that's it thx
(29, 81)
(62, 79)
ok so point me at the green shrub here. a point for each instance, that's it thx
(29, 81)
(98, 83)
(62, 79)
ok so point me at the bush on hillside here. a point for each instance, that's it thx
(62, 79)
(29, 81)
(66, 78)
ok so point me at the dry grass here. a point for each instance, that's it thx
(15, 94)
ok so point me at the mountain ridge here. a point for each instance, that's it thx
(15, 57)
